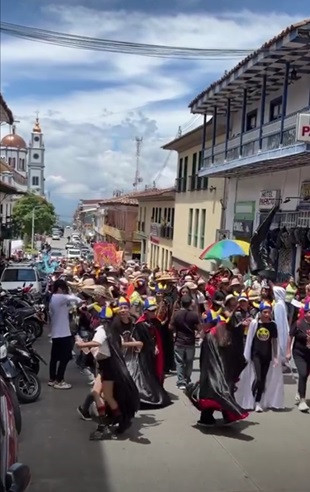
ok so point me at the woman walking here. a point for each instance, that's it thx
(300, 340)
(61, 336)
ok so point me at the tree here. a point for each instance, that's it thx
(44, 215)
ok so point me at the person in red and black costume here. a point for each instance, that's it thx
(214, 391)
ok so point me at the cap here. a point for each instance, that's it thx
(150, 304)
(123, 301)
(106, 313)
(265, 305)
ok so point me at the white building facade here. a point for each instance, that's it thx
(36, 165)
(265, 157)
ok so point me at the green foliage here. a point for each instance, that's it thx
(44, 215)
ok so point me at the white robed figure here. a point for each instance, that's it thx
(280, 317)
(273, 396)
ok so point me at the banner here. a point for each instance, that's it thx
(106, 254)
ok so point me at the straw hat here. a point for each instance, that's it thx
(166, 278)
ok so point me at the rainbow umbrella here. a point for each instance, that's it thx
(224, 249)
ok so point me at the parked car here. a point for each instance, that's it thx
(56, 236)
(19, 276)
(69, 245)
(14, 477)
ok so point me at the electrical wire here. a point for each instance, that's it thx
(124, 47)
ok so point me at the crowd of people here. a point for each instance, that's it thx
(133, 326)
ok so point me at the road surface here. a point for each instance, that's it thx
(164, 450)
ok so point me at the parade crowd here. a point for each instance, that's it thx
(132, 326)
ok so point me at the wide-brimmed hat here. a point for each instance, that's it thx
(166, 278)
(235, 281)
(190, 285)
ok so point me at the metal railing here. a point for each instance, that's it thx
(166, 232)
(271, 139)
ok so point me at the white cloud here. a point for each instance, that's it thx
(90, 131)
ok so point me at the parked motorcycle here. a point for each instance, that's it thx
(8, 373)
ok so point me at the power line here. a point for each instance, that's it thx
(125, 47)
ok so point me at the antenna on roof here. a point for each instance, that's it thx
(138, 178)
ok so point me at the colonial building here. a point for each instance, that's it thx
(265, 155)
(156, 226)
(198, 200)
(120, 224)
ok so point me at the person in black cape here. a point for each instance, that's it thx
(215, 388)
(120, 395)
(143, 368)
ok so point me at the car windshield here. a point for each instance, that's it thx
(56, 253)
(74, 252)
(18, 275)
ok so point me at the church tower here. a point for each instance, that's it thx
(36, 161)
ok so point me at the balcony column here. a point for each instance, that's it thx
(243, 119)
(213, 133)
(203, 147)
(262, 110)
(227, 127)
(284, 99)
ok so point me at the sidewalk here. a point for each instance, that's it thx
(163, 451)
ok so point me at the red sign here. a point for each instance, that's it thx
(154, 240)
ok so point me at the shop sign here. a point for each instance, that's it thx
(304, 202)
(243, 228)
(268, 199)
(155, 230)
(245, 210)
(154, 240)
(303, 127)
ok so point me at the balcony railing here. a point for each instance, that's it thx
(166, 232)
(250, 143)
(197, 183)
(180, 185)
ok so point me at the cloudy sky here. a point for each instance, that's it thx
(92, 105)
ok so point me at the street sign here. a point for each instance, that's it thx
(303, 127)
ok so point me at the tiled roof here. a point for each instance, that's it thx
(132, 198)
(121, 200)
(8, 113)
(91, 202)
(264, 47)
(154, 192)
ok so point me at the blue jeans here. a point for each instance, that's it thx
(184, 358)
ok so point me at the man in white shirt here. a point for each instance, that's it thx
(60, 333)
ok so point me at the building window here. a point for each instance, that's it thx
(202, 228)
(193, 178)
(180, 174)
(185, 174)
(35, 181)
(190, 227)
(251, 120)
(172, 218)
(153, 214)
(159, 215)
(275, 108)
(196, 226)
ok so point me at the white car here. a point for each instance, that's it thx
(56, 236)
(17, 277)
(73, 254)
(56, 254)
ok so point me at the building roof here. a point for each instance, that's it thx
(156, 193)
(13, 140)
(194, 137)
(121, 200)
(291, 45)
(6, 114)
(91, 202)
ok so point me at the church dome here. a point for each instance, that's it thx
(13, 140)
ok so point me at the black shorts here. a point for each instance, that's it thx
(106, 369)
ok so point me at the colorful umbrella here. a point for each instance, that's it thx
(224, 249)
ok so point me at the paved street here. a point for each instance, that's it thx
(163, 449)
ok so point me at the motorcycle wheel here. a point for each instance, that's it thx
(34, 327)
(27, 391)
(16, 409)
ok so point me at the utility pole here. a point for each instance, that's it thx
(138, 179)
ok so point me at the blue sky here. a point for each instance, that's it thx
(92, 105)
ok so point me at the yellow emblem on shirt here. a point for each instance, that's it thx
(263, 334)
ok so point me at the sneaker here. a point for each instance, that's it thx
(102, 432)
(62, 386)
(258, 408)
(83, 414)
(303, 407)
(51, 383)
(182, 387)
(297, 399)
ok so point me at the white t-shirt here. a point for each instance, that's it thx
(103, 351)
(59, 314)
